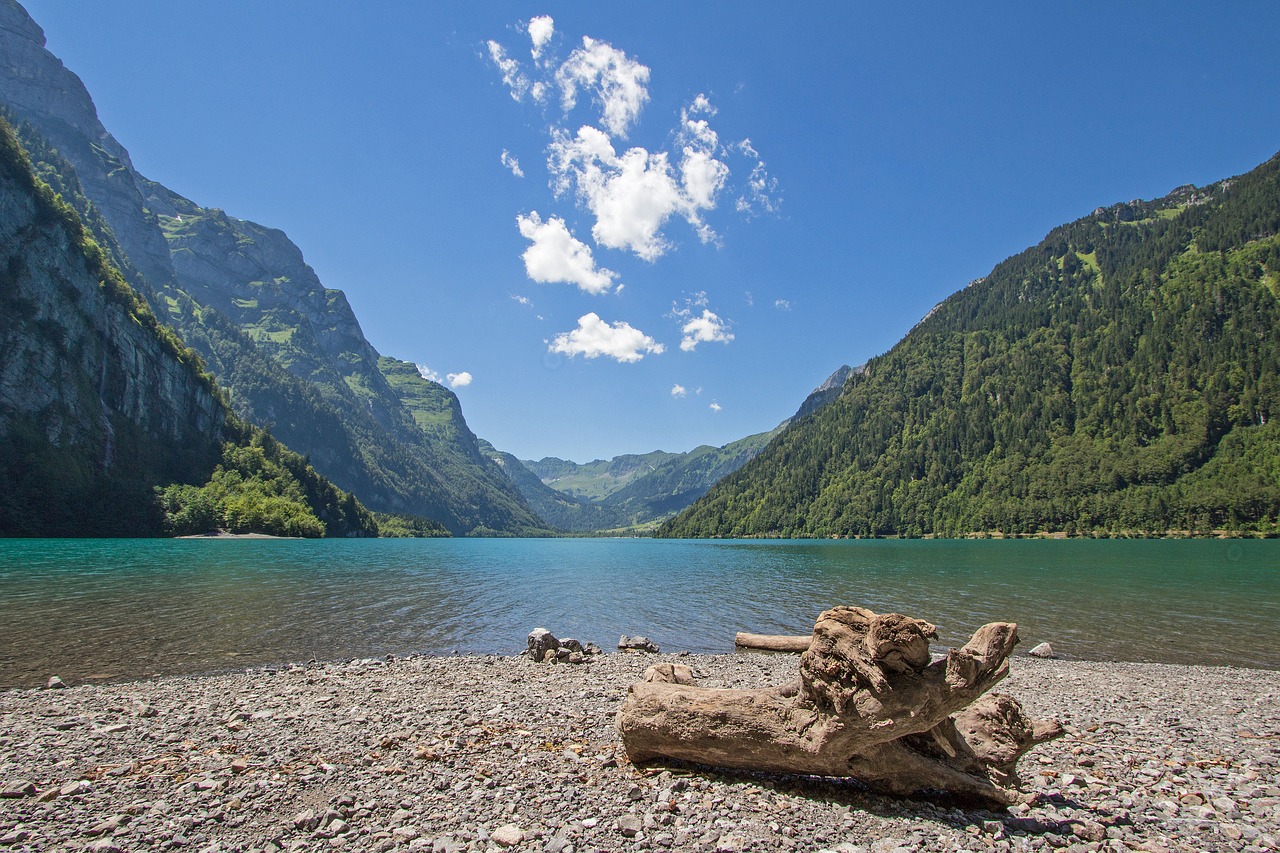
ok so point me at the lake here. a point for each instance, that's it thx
(107, 609)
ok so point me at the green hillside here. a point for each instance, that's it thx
(1121, 377)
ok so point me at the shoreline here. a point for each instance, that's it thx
(466, 752)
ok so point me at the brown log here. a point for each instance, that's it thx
(869, 703)
(772, 642)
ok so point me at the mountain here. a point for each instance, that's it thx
(629, 491)
(597, 480)
(1123, 376)
(101, 405)
(828, 392)
(290, 352)
(636, 490)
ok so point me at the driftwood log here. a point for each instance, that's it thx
(771, 642)
(869, 704)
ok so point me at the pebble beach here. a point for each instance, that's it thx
(485, 753)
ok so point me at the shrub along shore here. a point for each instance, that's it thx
(487, 752)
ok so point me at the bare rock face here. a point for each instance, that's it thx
(869, 703)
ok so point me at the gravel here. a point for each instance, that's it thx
(489, 753)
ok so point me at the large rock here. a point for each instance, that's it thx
(542, 641)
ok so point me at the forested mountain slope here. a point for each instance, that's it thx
(290, 351)
(1121, 376)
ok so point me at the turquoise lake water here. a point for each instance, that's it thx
(99, 609)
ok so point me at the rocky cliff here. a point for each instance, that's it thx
(98, 403)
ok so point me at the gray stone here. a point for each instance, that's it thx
(629, 825)
(17, 788)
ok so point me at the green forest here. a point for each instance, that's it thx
(1120, 378)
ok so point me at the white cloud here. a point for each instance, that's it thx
(523, 300)
(459, 380)
(557, 256)
(632, 195)
(707, 328)
(715, 407)
(427, 373)
(782, 305)
(541, 29)
(512, 163)
(678, 390)
(702, 175)
(619, 83)
(594, 337)
(512, 76)
(761, 193)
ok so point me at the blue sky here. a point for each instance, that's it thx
(716, 205)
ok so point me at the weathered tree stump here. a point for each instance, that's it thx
(868, 704)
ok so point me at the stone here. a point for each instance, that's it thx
(541, 641)
(111, 824)
(638, 644)
(75, 786)
(1043, 650)
(55, 683)
(571, 644)
(629, 825)
(18, 788)
(14, 836)
(103, 845)
(507, 835)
